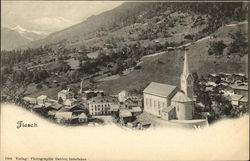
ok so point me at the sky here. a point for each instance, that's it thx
(50, 16)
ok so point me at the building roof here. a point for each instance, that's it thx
(103, 99)
(181, 97)
(64, 91)
(42, 97)
(81, 116)
(168, 109)
(63, 115)
(136, 109)
(125, 113)
(236, 97)
(114, 107)
(239, 87)
(159, 89)
(30, 99)
(244, 99)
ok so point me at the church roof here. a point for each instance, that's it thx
(168, 109)
(181, 97)
(159, 89)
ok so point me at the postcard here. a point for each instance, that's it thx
(124, 80)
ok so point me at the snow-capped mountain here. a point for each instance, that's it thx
(29, 34)
(11, 39)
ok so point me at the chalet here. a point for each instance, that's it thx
(240, 90)
(122, 96)
(244, 101)
(30, 100)
(82, 118)
(235, 99)
(63, 117)
(136, 111)
(42, 99)
(88, 94)
(126, 116)
(65, 94)
(70, 102)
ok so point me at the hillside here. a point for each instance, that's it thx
(167, 68)
(11, 39)
(132, 19)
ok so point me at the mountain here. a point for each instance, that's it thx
(31, 35)
(11, 39)
(144, 16)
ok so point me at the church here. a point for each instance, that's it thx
(168, 101)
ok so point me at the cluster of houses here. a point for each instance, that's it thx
(69, 108)
(234, 87)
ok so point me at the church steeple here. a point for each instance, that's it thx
(186, 79)
(185, 66)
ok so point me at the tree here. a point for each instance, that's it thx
(216, 48)
(205, 99)
(239, 43)
(39, 86)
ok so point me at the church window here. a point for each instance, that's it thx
(163, 104)
(146, 101)
(150, 102)
(154, 103)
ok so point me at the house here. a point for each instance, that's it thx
(168, 113)
(136, 111)
(235, 99)
(101, 105)
(82, 118)
(88, 94)
(30, 100)
(42, 99)
(244, 101)
(126, 116)
(70, 102)
(240, 90)
(122, 96)
(63, 117)
(65, 94)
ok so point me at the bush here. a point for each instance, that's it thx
(216, 48)
(189, 37)
(39, 86)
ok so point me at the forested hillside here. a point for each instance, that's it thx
(149, 18)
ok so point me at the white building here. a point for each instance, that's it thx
(168, 101)
(122, 96)
(64, 95)
(42, 99)
(101, 105)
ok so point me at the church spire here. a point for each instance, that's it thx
(186, 79)
(185, 66)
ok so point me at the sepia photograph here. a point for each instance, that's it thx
(124, 80)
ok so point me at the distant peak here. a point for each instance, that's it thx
(22, 30)
(19, 29)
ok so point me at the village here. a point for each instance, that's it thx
(160, 104)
